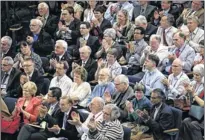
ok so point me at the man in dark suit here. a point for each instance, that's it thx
(87, 62)
(6, 47)
(123, 93)
(59, 54)
(40, 40)
(161, 116)
(99, 24)
(87, 39)
(64, 128)
(33, 74)
(50, 22)
(10, 78)
(45, 119)
(143, 9)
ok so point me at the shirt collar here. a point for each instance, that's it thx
(86, 37)
(178, 76)
(195, 31)
(9, 72)
(30, 75)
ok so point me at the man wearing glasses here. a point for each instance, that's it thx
(10, 78)
(40, 40)
(33, 74)
(161, 117)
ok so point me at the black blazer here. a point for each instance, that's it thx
(12, 88)
(70, 131)
(151, 29)
(103, 26)
(65, 57)
(92, 42)
(91, 68)
(10, 53)
(51, 24)
(163, 121)
(44, 45)
(37, 78)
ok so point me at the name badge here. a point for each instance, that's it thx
(3, 86)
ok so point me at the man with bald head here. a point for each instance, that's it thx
(87, 62)
(175, 82)
(104, 84)
(96, 107)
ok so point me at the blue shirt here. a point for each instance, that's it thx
(99, 90)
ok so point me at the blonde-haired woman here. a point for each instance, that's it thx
(123, 25)
(28, 105)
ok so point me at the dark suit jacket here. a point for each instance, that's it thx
(92, 42)
(51, 24)
(128, 95)
(13, 83)
(151, 29)
(44, 45)
(70, 131)
(10, 53)
(65, 57)
(91, 67)
(37, 78)
(148, 13)
(75, 32)
(103, 26)
(163, 121)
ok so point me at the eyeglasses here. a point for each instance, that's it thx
(175, 66)
(105, 113)
(5, 65)
(64, 14)
(117, 84)
(32, 25)
(26, 66)
(154, 97)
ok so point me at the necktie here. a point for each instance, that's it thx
(164, 38)
(64, 120)
(142, 11)
(177, 52)
(5, 77)
(57, 58)
(50, 111)
(155, 114)
(83, 64)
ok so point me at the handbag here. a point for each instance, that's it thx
(182, 103)
(196, 111)
(10, 126)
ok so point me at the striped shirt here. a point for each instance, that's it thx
(108, 131)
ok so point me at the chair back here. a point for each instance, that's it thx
(127, 133)
(10, 102)
(178, 120)
(83, 113)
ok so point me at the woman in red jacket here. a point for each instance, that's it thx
(28, 105)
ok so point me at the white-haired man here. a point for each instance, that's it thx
(6, 50)
(59, 54)
(39, 39)
(50, 22)
(123, 92)
(104, 84)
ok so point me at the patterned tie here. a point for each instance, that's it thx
(164, 38)
(5, 77)
(83, 64)
(177, 53)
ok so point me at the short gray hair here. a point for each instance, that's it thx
(87, 48)
(199, 68)
(122, 79)
(38, 21)
(155, 36)
(141, 19)
(115, 112)
(9, 40)
(9, 60)
(106, 71)
(110, 32)
(44, 5)
(193, 18)
(64, 43)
